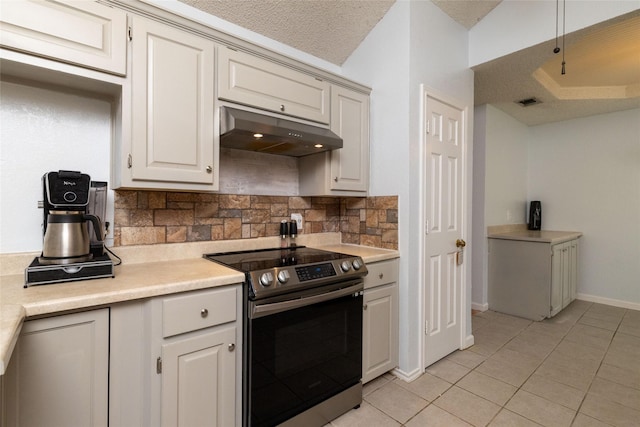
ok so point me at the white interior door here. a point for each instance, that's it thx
(444, 149)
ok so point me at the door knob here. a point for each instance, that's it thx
(461, 243)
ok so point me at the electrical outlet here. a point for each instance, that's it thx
(298, 219)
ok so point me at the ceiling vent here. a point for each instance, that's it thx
(529, 102)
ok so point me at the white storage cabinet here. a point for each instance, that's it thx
(84, 33)
(344, 171)
(532, 279)
(59, 372)
(196, 351)
(173, 143)
(380, 320)
(249, 80)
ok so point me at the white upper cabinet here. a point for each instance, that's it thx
(85, 33)
(173, 142)
(350, 120)
(344, 171)
(256, 82)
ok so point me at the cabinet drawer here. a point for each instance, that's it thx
(381, 273)
(197, 310)
(263, 84)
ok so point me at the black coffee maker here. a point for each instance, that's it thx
(535, 215)
(66, 236)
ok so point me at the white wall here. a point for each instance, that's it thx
(415, 43)
(500, 184)
(505, 169)
(42, 131)
(586, 172)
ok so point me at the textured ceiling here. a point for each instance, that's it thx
(467, 12)
(597, 58)
(328, 29)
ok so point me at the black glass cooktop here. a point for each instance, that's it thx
(262, 259)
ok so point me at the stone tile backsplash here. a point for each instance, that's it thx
(150, 217)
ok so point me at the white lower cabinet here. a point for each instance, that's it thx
(59, 372)
(195, 352)
(198, 380)
(532, 279)
(380, 320)
(564, 272)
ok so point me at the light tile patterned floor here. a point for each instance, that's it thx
(580, 368)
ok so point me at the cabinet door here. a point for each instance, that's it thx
(573, 269)
(173, 136)
(350, 120)
(343, 172)
(379, 331)
(80, 32)
(198, 380)
(566, 274)
(557, 278)
(58, 374)
(256, 82)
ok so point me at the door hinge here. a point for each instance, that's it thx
(130, 34)
(428, 129)
(426, 227)
(426, 327)
(129, 161)
(159, 365)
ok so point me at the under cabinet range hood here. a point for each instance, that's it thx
(245, 130)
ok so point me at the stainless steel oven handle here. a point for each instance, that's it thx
(276, 307)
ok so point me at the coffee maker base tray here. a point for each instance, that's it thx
(39, 274)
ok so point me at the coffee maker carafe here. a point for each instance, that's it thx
(66, 237)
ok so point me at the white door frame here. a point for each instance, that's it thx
(425, 92)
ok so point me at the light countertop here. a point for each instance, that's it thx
(160, 272)
(542, 236)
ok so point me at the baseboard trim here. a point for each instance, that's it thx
(480, 307)
(468, 342)
(407, 376)
(609, 301)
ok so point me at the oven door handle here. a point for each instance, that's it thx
(277, 307)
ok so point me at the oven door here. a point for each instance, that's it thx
(301, 352)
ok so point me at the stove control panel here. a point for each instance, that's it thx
(318, 271)
(289, 278)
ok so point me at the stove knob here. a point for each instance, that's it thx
(356, 264)
(266, 279)
(345, 266)
(283, 276)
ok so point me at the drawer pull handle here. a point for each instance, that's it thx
(380, 276)
(232, 347)
(281, 107)
(204, 313)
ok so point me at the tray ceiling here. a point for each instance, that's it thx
(602, 61)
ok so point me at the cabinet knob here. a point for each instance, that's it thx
(204, 313)
(232, 347)
(364, 307)
(281, 107)
(335, 178)
(209, 169)
(380, 276)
